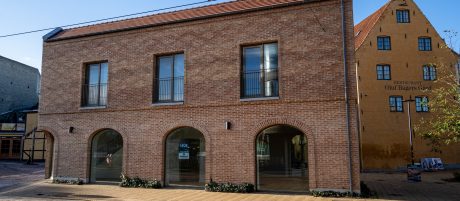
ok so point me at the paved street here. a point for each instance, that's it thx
(23, 182)
(14, 174)
(395, 186)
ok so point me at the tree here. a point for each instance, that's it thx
(442, 127)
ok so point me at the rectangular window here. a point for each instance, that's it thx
(384, 43)
(403, 16)
(170, 78)
(95, 86)
(396, 104)
(383, 72)
(424, 44)
(421, 104)
(429, 73)
(259, 77)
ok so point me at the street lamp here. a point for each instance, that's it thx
(410, 128)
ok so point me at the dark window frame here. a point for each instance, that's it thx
(384, 46)
(383, 66)
(423, 44)
(262, 76)
(395, 108)
(84, 91)
(400, 18)
(173, 78)
(430, 73)
(418, 104)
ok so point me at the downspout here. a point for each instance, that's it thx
(345, 70)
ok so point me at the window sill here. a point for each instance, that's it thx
(92, 107)
(168, 104)
(259, 99)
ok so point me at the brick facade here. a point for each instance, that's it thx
(311, 93)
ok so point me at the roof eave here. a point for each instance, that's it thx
(51, 39)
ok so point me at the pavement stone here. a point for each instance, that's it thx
(22, 182)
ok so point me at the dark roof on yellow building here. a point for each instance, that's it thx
(364, 27)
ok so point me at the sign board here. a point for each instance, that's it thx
(408, 86)
(432, 164)
(184, 153)
(414, 173)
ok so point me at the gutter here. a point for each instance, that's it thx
(345, 70)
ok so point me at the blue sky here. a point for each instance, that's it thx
(25, 15)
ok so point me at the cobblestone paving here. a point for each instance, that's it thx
(14, 174)
(395, 186)
(24, 182)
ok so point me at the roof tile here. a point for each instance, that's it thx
(169, 17)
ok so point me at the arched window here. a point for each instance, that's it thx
(282, 159)
(106, 156)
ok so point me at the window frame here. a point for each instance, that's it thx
(424, 44)
(156, 79)
(384, 48)
(383, 71)
(84, 97)
(432, 73)
(418, 104)
(402, 11)
(262, 77)
(396, 103)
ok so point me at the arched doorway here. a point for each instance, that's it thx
(185, 157)
(282, 162)
(49, 155)
(106, 156)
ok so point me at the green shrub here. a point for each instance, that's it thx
(229, 187)
(365, 193)
(333, 194)
(137, 182)
(78, 181)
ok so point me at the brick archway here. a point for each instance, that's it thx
(305, 129)
(51, 154)
(208, 160)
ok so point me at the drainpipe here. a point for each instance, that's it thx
(345, 70)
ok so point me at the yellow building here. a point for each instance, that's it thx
(33, 140)
(396, 48)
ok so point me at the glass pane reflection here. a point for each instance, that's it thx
(185, 157)
(282, 161)
(106, 156)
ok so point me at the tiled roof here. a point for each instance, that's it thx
(363, 29)
(175, 16)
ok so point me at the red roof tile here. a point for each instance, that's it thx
(175, 16)
(363, 29)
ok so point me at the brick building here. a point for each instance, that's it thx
(244, 91)
(399, 56)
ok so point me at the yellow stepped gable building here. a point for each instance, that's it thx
(395, 49)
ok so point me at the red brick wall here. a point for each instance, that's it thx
(311, 93)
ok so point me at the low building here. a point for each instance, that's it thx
(399, 55)
(19, 137)
(19, 86)
(256, 91)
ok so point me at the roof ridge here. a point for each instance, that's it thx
(378, 14)
(161, 13)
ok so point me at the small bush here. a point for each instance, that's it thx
(137, 182)
(334, 194)
(68, 181)
(457, 176)
(365, 193)
(229, 187)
